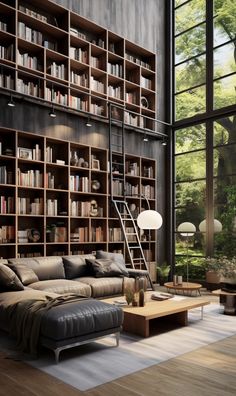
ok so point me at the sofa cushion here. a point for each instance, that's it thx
(24, 273)
(9, 280)
(45, 268)
(118, 258)
(62, 286)
(102, 287)
(75, 265)
(104, 267)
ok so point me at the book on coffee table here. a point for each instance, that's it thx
(161, 296)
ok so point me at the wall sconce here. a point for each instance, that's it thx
(145, 138)
(52, 112)
(88, 123)
(164, 142)
(11, 102)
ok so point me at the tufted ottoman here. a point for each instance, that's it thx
(76, 323)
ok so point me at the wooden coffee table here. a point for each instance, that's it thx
(187, 287)
(141, 320)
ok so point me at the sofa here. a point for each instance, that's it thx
(59, 298)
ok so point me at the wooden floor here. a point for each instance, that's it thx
(208, 371)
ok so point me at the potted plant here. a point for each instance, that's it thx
(224, 269)
(212, 266)
(163, 273)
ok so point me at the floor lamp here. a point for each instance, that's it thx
(187, 230)
(149, 220)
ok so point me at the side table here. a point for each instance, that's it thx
(187, 287)
(228, 300)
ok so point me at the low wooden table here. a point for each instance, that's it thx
(187, 287)
(228, 300)
(141, 320)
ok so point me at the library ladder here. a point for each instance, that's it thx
(117, 188)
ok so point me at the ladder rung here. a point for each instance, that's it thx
(138, 259)
(131, 233)
(134, 247)
(116, 134)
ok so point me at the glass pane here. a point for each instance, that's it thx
(196, 268)
(224, 21)
(190, 213)
(191, 138)
(224, 160)
(225, 131)
(190, 103)
(190, 73)
(191, 193)
(190, 43)
(190, 166)
(189, 15)
(224, 62)
(178, 2)
(224, 92)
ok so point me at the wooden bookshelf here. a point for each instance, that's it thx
(55, 196)
(52, 53)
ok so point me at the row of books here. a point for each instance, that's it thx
(29, 88)
(131, 119)
(115, 234)
(30, 206)
(30, 178)
(6, 204)
(117, 187)
(115, 68)
(26, 60)
(131, 97)
(96, 234)
(57, 71)
(52, 207)
(56, 96)
(7, 233)
(131, 189)
(79, 183)
(96, 109)
(79, 54)
(132, 168)
(78, 103)
(33, 13)
(49, 180)
(79, 79)
(138, 61)
(6, 81)
(114, 91)
(95, 62)
(96, 85)
(7, 52)
(80, 234)
(35, 36)
(148, 191)
(145, 82)
(5, 175)
(3, 26)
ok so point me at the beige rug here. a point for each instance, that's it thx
(99, 362)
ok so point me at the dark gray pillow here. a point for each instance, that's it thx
(25, 274)
(104, 268)
(9, 281)
(75, 265)
(118, 258)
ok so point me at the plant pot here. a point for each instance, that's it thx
(212, 280)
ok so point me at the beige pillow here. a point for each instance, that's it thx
(9, 281)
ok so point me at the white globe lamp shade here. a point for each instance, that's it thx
(186, 229)
(216, 224)
(149, 220)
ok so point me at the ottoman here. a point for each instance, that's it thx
(76, 323)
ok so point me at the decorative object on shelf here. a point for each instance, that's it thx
(24, 153)
(95, 164)
(144, 102)
(33, 235)
(93, 208)
(95, 185)
(187, 230)
(85, 164)
(9, 152)
(74, 160)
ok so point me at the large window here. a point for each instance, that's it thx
(205, 129)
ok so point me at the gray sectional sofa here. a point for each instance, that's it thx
(60, 295)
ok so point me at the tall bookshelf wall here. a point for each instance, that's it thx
(55, 198)
(53, 54)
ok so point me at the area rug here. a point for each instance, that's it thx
(99, 362)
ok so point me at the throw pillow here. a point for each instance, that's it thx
(104, 268)
(9, 281)
(75, 265)
(118, 258)
(25, 274)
